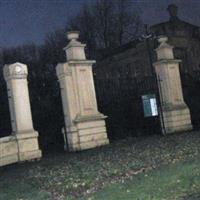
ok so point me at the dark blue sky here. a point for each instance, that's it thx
(24, 21)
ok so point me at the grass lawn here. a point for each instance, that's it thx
(175, 181)
(168, 162)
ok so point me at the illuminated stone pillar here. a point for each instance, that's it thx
(85, 126)
(21, 118)
(175, 112)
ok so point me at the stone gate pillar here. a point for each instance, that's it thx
(85, 126)
(21, 118)
(175, 113)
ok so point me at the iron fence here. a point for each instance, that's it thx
(191, 93)
(120, 98)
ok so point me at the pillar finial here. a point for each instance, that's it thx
(162, 39)
(75, 49)
(72, 35)
(164, 50)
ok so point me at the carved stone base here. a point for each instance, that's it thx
(8, 150)
(87, 134)
(19, 147)
(28, 146)
(9, 159)
(176, 120)
(30, 155)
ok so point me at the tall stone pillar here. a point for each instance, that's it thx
(175, 112)
(21, 118)
(85, 126)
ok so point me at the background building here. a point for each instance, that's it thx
(137, 56)
(125, 75)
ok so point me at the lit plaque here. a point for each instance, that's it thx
(149, 105)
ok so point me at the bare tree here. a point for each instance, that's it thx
(128, 23)
(107, 23)
(104, 20)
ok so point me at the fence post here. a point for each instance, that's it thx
(85, 126)
(176, 115)
(21, 118)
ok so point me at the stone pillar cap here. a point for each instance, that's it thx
(73, 35)
(163, 42)
(164, 50)
(75, 49)
(162, 39)
(15, 70)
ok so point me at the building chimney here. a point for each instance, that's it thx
(173, 10)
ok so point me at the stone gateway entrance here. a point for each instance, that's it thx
(134, 106)
(138, 105)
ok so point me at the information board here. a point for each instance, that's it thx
(150, 105)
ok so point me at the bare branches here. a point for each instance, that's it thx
(107, 24)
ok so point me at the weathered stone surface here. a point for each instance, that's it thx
(85, 126)
(23, 144)
(8, 150)
(175, 113)
(74, 50)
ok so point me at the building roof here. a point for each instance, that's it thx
(165, 28)
(109, 52)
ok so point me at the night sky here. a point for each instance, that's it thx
(25, 21)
